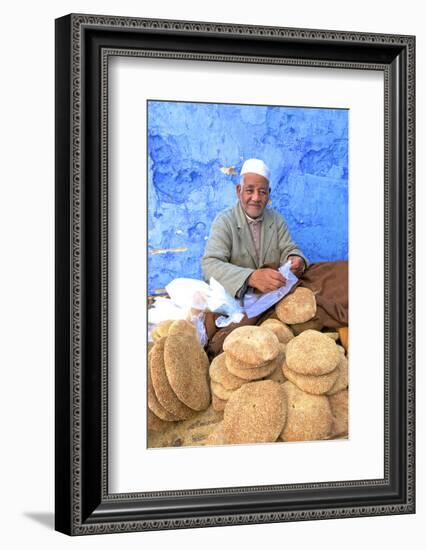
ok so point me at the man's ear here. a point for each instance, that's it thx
(238, 188)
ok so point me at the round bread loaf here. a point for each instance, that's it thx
(163, 391)
(281, 330)
(220, 391)
(312, 353)
(333, 335)
(252, 345)
(155, 405)
(341, 349)
(218, 404)
(343, 378)
(187, 367)
(161, 330)
(339, 409)
(255, 413)
(250, 374)
(316, 385)
(181, 326)
(298, 307)
(309, 416)
(220, 374)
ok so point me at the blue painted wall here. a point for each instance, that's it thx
(189, 145)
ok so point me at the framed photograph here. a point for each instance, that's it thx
(231, 200)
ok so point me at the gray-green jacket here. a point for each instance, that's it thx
(230, 256)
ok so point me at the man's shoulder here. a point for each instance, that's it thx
(274, 215)
(227, 216)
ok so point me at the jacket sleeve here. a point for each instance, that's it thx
(287, 245)
(216, 260)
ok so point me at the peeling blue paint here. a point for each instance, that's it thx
(188, 144)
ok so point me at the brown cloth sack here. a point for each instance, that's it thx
(327, 280)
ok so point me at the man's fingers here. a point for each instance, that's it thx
(267, 279)
(274, 284)
(279, 282)
(277, 276)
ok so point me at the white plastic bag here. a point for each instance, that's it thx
(188, 293)
(198, 322)
(187, 300)
(164, 309)
(255, 304)
(190, 298)
(219, 301)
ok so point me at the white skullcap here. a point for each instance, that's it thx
(255, 166)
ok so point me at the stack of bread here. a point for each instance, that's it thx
(315, 369)
(311, 385)
(317, 372)
(177, 375)
(310, 403)
(284, 380)
(250, 353)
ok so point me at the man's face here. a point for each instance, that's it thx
(254, 194)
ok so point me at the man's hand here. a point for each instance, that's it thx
(266, 279)
(297, 265)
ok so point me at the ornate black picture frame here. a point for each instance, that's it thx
(84, 44)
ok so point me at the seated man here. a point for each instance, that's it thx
(247, 244)
(248, 236)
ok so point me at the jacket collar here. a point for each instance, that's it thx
(266, 235)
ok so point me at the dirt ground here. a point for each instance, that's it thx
(193, 432)
(187, 433)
